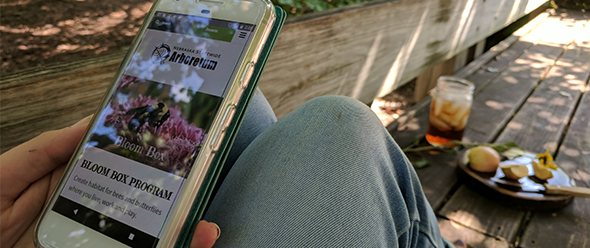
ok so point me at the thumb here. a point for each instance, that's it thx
(35, 158)
(205, 235)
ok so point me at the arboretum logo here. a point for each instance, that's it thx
(162, 53)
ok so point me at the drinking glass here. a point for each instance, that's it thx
(449, 110)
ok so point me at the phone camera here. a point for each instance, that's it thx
(205, 11)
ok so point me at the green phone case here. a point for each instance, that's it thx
(203, 198)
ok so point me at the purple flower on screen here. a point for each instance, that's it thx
(179, 139)
(127, 80)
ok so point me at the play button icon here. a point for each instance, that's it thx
(75, 211)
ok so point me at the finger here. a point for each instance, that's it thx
(27, 207)
(55, 177)
(205, 235)
(33, 159)
(24, 211)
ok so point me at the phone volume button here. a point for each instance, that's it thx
(229, 114)
(247, 74)
(224, 125)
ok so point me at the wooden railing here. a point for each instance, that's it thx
(363, 51)
(368, 50)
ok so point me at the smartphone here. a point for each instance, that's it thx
(136, 173)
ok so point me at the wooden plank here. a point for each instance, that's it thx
(428, 80)
(412, 125)
(460, 60)
(454, 231)
(494, 106)
(479, 48)
(540, 122)
(322, 56)
(30, 107)
(486, 74)
(438, 179)
(505, 44)
(415, 121)
(346, 51)
(502, 98)
(570, 226)
(471, 53)
(509, 90)
(482, 213)
(29, 75)
(571, 63)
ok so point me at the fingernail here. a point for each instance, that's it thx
(218, 230)
(83, 121)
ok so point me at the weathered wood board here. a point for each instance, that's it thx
(461, 60)
(29, 75)
(540, 122)
(347, 51)
(569, 226)
(414, 122)
(393, 42)
(518, 80)
(504, 95)
(428, 79)
(500, 56)
(34, 105)
(479, 48)
(454, 231)
(481, 213)
(437, 180)
(493, 107)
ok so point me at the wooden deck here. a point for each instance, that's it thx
(535, 94)
(531, 89)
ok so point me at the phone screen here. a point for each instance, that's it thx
(128, 177)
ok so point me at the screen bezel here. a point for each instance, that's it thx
(195, 178)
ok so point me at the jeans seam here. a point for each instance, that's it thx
(428, 236)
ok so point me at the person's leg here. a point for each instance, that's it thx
(259, 116)
(327, 174)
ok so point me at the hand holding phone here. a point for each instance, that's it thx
(145, 157)
(47, 160)
(28, 175)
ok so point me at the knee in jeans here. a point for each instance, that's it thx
(330, 104)
(341, 108)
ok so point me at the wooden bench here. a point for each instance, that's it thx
(362, 50)
(532, 97)
(535, 93)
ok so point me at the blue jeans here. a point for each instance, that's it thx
(326, 175)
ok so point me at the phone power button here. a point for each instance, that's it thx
(247, 74)
(225, 121)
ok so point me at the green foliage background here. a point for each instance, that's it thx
(298, 7)
(573, 4)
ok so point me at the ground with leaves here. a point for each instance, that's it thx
(42, 32)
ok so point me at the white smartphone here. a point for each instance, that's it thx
(144, 157)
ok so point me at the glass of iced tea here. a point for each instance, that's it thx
(449, 110)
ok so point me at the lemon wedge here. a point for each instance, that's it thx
(515, 171)
(542, 172)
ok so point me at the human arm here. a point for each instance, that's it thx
(30, 172)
